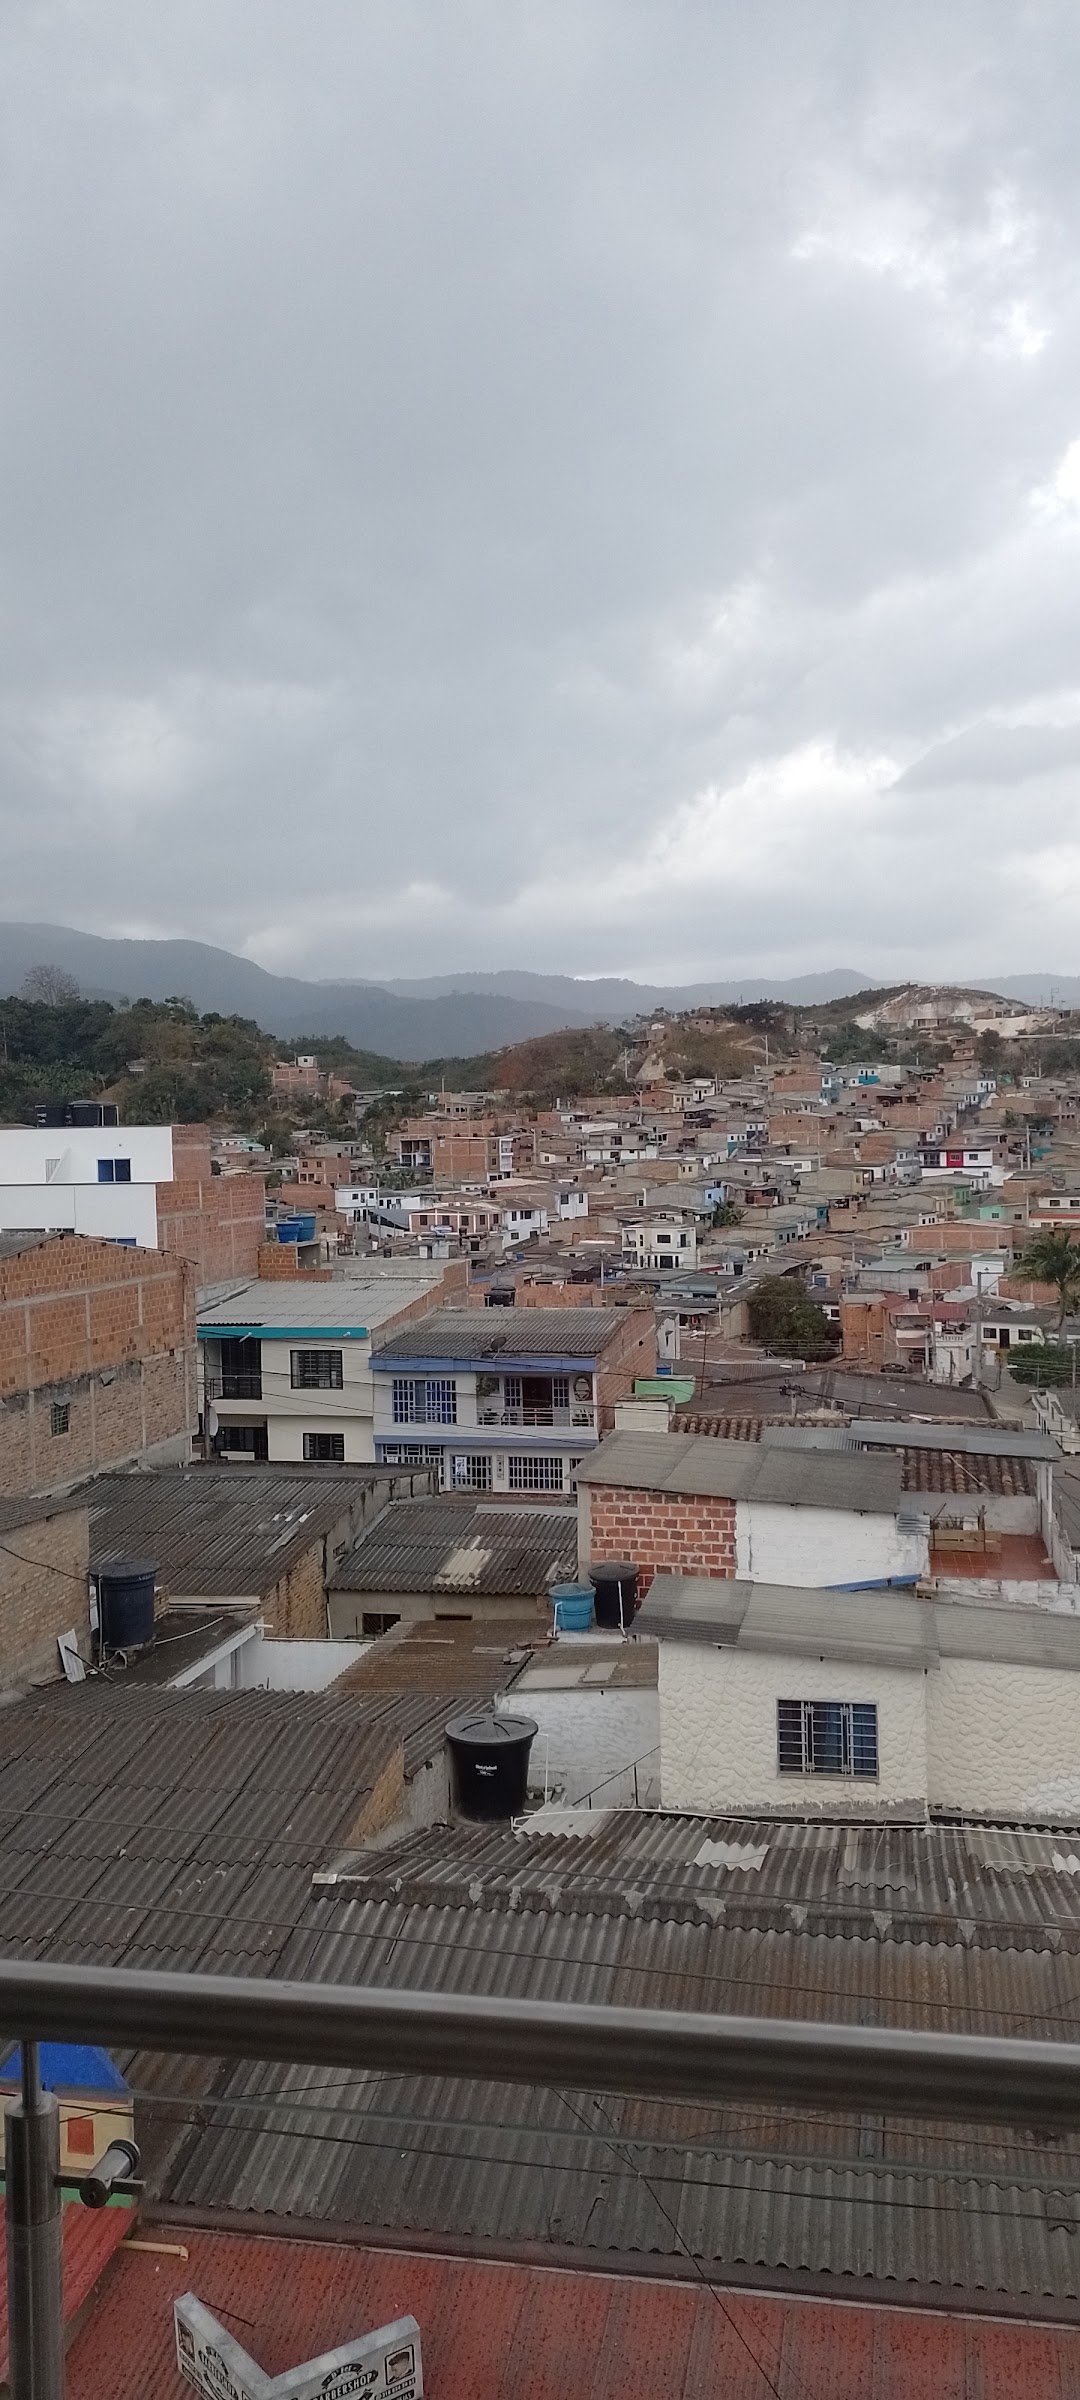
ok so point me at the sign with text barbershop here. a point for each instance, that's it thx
(377, 2366)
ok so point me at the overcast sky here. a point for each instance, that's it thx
(560, 483)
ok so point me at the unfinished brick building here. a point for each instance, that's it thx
(97, 1359)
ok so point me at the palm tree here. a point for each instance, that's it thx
(1054, 1258)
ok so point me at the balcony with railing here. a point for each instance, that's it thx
(243, 1383)
(538, 1417)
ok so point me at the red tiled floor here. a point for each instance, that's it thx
(1020, 1559)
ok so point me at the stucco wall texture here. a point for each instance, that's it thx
(967, 1734)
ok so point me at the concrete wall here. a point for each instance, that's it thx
(592, 1738)
(348, 1609)
(112, 1212)
(821, 1546)
(718, 1732)
(270, 1666)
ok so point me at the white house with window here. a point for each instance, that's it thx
(504, 1400)
(286, 1366)
(660, 1243)
(783, 1701)
(94, 1179)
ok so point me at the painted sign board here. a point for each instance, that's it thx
(385, 2365)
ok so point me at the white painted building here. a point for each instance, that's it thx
(286, 1366)
(660, 1244)
(91, 1179)
(776, 1701)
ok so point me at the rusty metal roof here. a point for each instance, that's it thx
(516, 2332)
(89, 2237)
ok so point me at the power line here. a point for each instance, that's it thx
(675, 2175)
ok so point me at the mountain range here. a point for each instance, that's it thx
(416, 1018)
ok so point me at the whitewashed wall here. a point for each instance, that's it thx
(294, 1666)
(589, 1737)
(718, 1731)
(821, 1546)
(1004, 1740)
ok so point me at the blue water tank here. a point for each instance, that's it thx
(126, 1603)
(296, 1229)
(573, 1606)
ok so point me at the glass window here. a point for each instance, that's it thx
(121, 1170)
(471, 1472)
(827, 1737)
(372, 1623)
(316, 1370)
(427, 1400)
(536, 1474)
(328, 1447)
(105, 1170)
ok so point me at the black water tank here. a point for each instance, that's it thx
(126, 1603)
(489, 1762)
(615, 1585)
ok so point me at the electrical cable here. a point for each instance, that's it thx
(194, 2115)
(684, 2246)
(946, 2171)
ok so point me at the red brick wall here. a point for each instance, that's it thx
(216, 1221)
(662, 1532)
(108, 1333)
(630, 1352)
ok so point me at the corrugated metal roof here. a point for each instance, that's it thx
(220, 1530)
(972, 1441)
(461, 1546)
(355, 1303)
(891, 1626)
(522, 2333)
(183, 1636)
(655, 1911)
(14, 1513)
(665, 1462)
(504, 1335)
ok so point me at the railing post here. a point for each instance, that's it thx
(35, 2275)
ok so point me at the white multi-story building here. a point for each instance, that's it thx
(286, 1365)
(95, 1179)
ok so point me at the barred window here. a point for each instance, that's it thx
(536, 1474)
(60, 1417)
(428, 1400)
(827, 1737)
(410, 1454)
(327, 1447)
(472, 1471)
(316, 1370)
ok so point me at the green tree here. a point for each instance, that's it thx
(1043, 1363)
(786, 1321)
(1054, 1258)
(727, 1212)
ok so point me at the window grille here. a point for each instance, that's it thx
(327, 1447)
(430, 1401)
(316, 1370)
(472, 1472)
(60, 1417)
(536, 1474)
(827, 1737)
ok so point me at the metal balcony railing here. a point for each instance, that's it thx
(538, 1419)
(246, 1384)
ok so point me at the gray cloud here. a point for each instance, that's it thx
(587, 487)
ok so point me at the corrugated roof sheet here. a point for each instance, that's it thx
(666, 1462)
(891, 1626)
(500, 2331)
(504, 1334)
(971, 1928)
(220, 1530)
(356, 1302)
(461, 1546)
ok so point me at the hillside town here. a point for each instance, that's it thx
(629, 1536)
